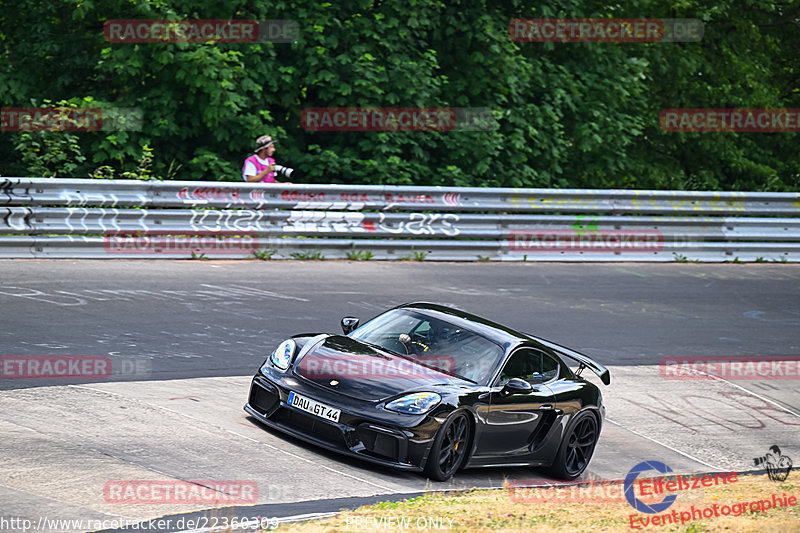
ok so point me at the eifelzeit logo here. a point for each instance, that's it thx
(777, 465)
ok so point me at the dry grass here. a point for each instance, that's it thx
(484, 510)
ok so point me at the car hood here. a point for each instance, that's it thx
(362, 371)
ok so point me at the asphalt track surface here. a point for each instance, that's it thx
(185, 336)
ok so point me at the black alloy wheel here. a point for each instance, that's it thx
(577, 447)
(449, 449)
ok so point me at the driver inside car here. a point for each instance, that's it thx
(435, 338)
(413, 346)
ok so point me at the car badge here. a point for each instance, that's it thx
(334, 383)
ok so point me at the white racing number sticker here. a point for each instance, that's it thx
(315, 408)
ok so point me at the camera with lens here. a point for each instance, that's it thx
(758, 461)
(283, 171)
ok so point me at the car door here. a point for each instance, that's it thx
(512, 420)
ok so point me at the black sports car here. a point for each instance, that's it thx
(424, 387)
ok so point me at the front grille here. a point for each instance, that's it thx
(382, 443)
(309, 425)
(262, 400)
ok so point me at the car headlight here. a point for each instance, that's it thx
(282, 355)
(415, 404)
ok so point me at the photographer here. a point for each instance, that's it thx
(261, 167)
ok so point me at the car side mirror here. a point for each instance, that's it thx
(349, 323)
(516, 386)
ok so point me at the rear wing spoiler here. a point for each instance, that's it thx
(585, 361)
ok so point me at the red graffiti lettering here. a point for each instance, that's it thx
(300, 196)
(403, 199)
(205, 194)
(762, 406)
(353, 197)
(706, 401)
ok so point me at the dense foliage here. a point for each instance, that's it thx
(568, 114)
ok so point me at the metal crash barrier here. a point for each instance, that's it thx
(86, 218)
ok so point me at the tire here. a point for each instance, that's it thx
(450, 448)
(576, 448)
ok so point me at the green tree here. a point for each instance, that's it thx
(568, 114)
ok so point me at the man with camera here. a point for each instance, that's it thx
(261, 167)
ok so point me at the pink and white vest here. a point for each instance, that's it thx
(269, 178)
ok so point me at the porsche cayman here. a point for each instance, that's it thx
(428, 388)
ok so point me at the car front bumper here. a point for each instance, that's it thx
(356, 435)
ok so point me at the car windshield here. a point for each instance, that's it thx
(433, 342)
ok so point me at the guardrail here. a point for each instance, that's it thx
(78, 218)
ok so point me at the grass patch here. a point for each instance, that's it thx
(311, 255)
(359, 255)
(680, 258)
(415, 256)
(264, 255)
(497, 510)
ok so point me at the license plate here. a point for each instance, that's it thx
(315, 408)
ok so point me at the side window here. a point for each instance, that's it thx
(549, 367)
(528, 364)
(423, 329)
